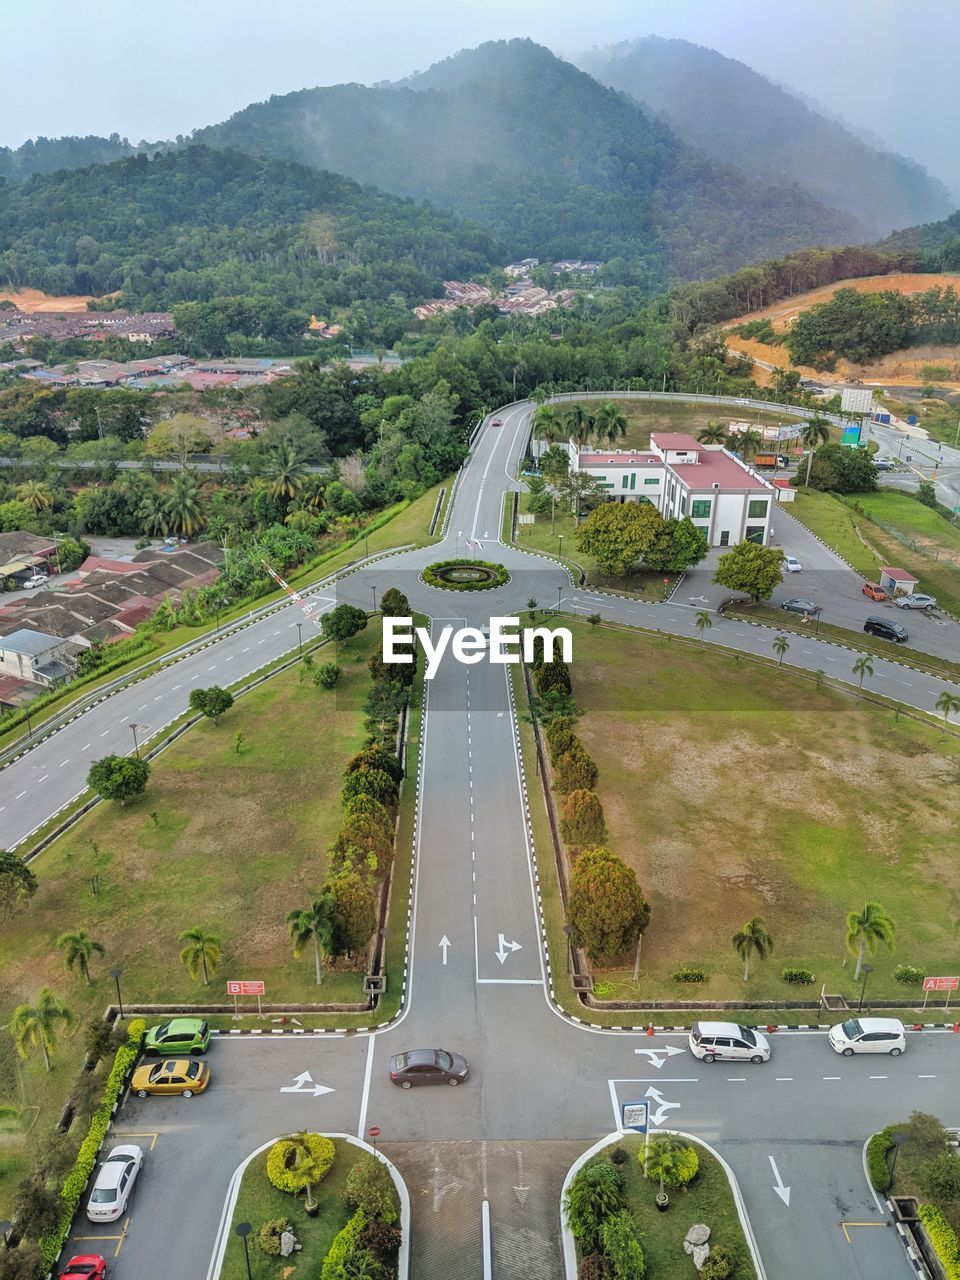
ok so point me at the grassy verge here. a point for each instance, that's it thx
(646, 416)
(708, 1199)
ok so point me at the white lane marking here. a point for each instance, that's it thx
(175, 688)
(213, 668)
(105, 732)
(44, 778)
(246, 650)
(736, 1079)
(879, 1077)
(783, 1079)
(831, 1077)
(20, 796)
(368, 1073)
(142, 705)
(926, 1077)
(85, 747)
(63, 762)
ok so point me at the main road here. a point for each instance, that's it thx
(477, 979)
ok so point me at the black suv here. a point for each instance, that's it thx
(886, 630)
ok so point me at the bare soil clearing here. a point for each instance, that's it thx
(31, 300)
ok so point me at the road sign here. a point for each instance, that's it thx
(245, 989)
(941, 984)
(856, 399)
(634, 1116)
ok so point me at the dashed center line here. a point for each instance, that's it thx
(63, 762)
(830, 1077)
(44, 778)
(879, 1077)
(784, 1079)
(20, 796)
(105, 732)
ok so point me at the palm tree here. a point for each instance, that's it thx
(79, 948)
(713, 433)
(703, 622)
(152, 513)
(863, 667)
(579, 423)
(316, 922)
(609, 424)
(286, 469)
(867, 928)
(752, 937)
(949, 704)
(748, 441)
(201, 955)
(780, 646)
(306, 1164)
(37, 495)
(550, 424)
(661, 1157)
(35, 1026)
(182, 506)
(815, 433)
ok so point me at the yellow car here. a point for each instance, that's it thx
(175, 1075)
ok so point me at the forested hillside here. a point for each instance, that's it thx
(553, 163)
(44, 155)
(734, 114)
(941, 239)
(199, 224)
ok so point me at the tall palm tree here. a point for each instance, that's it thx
(713, 433)
(662, 1156)
(866, 929)
(306, 1164)
(748, 441)
(182, 506)
(609, 423)
(703, 622)
(550, 424)
(316, 922)
(753, 937)
(35, 1026)
(863, 667)
(37, 495)
(949, 704)
(79, 948)
(152, 513)
(286, 470)
(201, 955)
(579, 423)
(780, 646)
(815, 433)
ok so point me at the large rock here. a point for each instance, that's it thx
(700, 1254)
(698, 1234)
(288, 1244)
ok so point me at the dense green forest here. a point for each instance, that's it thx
(199, 224)
(743, 117)
(862, 326)
(937, 238)
(45, 155)
(553, 163)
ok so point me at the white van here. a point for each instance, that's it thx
(868, 1035)
(727, 1042)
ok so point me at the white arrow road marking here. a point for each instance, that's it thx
(444, 944)
(782, 1191)
(505, 948)
(521, 1190)
(657, 1117)
(659, 1056)
(303, 1083)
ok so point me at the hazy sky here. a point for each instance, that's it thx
(152, 70)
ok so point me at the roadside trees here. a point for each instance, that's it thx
(618, 534)
(780, 646)
(703, 622)
(18, 884)
(315, 922)
(752, 568)
(212, 702)
(119, 777)
(36, 1026)
(813, 434)
(606, 908)
(752, 939)
(866, 929)
(343, 622)
(863, 667)
(947, 704)
(200, 954)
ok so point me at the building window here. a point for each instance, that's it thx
(700, 509)
(757, 509)
(633, 480)
(754, 533)
(624, 482)
(651, 479)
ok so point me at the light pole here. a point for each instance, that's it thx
(559, 597)
(568, 930)
(136, 745)
(26, 708)
(374, 590)
(560, 553)
(300, 637)
(243, 1229)
(866, 970)
(115, 975)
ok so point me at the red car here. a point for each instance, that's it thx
(85, 1266)
(874, 591)
(496, 423)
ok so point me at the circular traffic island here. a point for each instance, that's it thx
(465, 575)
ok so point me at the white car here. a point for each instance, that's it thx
(114, 1185)
(792, 564)
(916, 601)
(36, 580)
(727, 1042)
(868, 1035)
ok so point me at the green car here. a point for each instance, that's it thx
(179, 1035)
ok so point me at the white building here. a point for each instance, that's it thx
(682, 477)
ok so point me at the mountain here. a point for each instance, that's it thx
(552, 162)
(939, 241)
(198, 224)
(731, 112)
(45, 155)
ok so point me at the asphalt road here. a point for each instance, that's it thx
(534, 1075)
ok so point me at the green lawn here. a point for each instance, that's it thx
(931, 531)
(260, 1202)
(767, 797)
(708, 1199)
(646, 416)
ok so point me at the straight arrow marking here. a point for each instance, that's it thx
(782, 1191)
(444, 945)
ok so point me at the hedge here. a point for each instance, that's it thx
(345, 1250)
(943, 1238)
(289, 1178)
(878, 1167)
(74, 1184)
(432, 579)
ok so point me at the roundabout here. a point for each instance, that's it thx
(465, 575)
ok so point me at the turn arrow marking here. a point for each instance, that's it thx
(782, 1191)
(505, 948)
(663, 1106)
(303, 1083)
(658, 1057)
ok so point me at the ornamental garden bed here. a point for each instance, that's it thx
(465, 575)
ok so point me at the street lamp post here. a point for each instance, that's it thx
(374, 590)
(866, 970)
(300, 638)
(559, 597)
(136, 745)
(459, 536)
(243, 1229)
(115, 975)
(560, 553)
(568, 930)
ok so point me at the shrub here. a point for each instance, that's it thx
(581, 819)
(268, 1237)
(283, 1171)
(370, 1189)
(560, 743)
(878, 1164)
(346, 1256)
(376, 757)
(370, 782)
(940, 1177)
(619, 1156)
(686, 1167)
(555, 733)
(797, 977)
(689, 973)
(943, 1238)
(552, 675)
(595, 1266)
(433, 579)
(362, 846)
(327, 676)
(574, 770)
(594, 1194)
(909, 975)
(621, 1243)
(355, 913)
(719, 1264)
(382, 1239)
(606, 906)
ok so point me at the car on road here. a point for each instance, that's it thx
(874, 591)
(868, 1035)
(916, 601)
(792, 564)
(796, 604)
(428, 1066)
(114, 1184)
(875, 626)
(176, 1075)
(36, 580)
(85, 1266)
(727, 1042)
(884, 464)
(497, 422)
(179, 1035)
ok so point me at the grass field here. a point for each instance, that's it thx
(646, 416)
(708, 1199)
(932, 533)
(765, 797)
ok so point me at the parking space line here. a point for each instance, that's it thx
(155, 1134)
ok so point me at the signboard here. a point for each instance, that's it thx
(523, 518)
(941, 984)
(850, 437)
(634, 1116)
(244, 988)
(856, 399)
